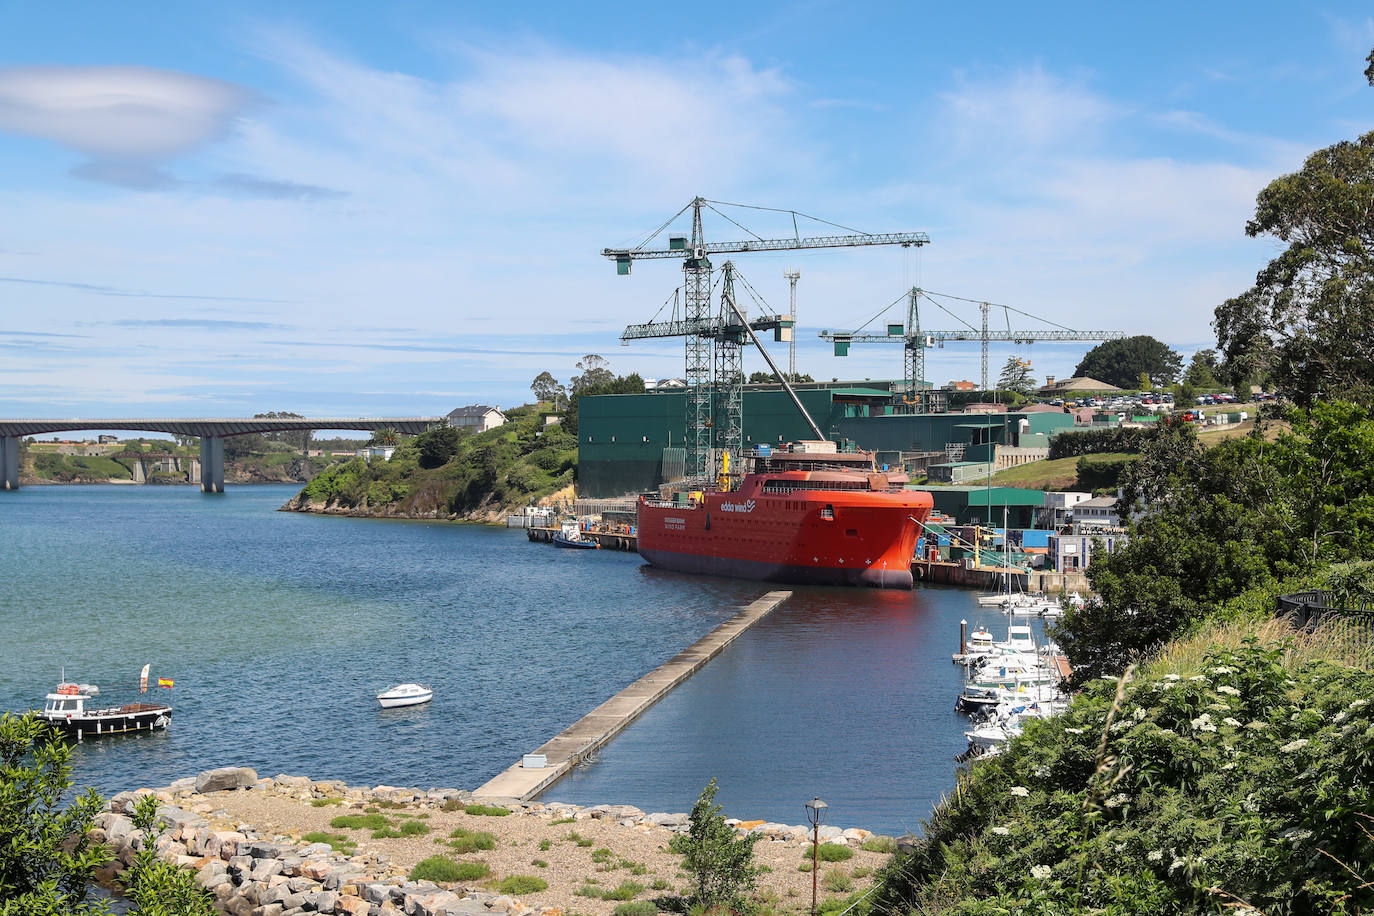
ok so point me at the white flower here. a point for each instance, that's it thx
(1116, 801)
(1256, 725)
(1359, 704)
(1340, 717)
(1019, 791)
(1040, 872)
(1220, 669)
(1155, 855)
(1074, 731)
(1203, 723)
(1228, 690)
(1292, 746)
(1173, 677)
(1234, 723)
(1139, 713)
(1001, 831)
(1198, 677)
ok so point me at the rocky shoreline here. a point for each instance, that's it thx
(274, 870)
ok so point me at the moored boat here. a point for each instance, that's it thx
(82, 710)
(809, 516)
(405, 695)
(570, 536)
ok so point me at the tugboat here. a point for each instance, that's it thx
(570, 536)
(79, 710)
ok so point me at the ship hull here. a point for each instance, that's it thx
(737, 568)
(767, 532)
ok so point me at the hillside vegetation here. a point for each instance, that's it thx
(445, 473)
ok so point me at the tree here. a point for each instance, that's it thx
(158, 887)
(721, 864)
(548, 388)
(438, 445)
(768, 378)
(593, 371)
(296, 438)
(387, 435)
(1121, 362)
(1202, 370)
(1016, 376)
(1306, 320)
(626, 384)
(1143, 382)
(46, 855)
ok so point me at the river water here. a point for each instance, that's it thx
(279, 628)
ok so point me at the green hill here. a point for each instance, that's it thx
(445, 473)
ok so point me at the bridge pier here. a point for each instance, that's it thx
(212, 464)
(9, 462)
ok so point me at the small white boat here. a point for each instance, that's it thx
(405, 695)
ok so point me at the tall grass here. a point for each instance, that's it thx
(1345, 641)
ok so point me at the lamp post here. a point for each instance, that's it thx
(815, 813)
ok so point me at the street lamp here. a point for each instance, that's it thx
(815, 813)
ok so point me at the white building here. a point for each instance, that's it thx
(1096, 513)
(384, 452)
(1058, 509)
(477, 418)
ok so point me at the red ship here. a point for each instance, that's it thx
(802, 517)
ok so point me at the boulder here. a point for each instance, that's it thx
(218, 780)
(322, 901)
(352, 906)
(667, 820)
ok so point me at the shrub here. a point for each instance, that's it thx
(522, 884)
(837, 882)
(626, 890)
(358, 822)
(830, 852)
(487, 810)
(414, 828)
(722, 865)
(38, 872)
(544, 844)
(540, 863)
(337, 840)
(442, 868)
(324, 802)
(879, 843)
(386, 833)
(158, 887)
(638, 908)
(468, 841)
(562, 820)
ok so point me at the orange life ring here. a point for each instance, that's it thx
(67, 690)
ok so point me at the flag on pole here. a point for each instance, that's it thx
(143, 679)
(164, 682)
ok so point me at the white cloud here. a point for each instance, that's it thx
(1032, 109)
(123, 113)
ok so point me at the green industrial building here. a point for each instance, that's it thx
(633, 442)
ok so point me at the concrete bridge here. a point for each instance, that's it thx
(211, 432)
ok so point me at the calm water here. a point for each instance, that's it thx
(279, 628)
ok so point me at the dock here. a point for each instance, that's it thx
(609, 540)
(520, 783)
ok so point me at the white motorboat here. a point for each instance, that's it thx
(405, 695)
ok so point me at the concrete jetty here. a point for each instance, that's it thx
(520, 783)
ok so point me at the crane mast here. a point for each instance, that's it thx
(919, 399)
(714, 407)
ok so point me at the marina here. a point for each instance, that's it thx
(517, 640)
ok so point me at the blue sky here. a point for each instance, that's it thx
(397, 209)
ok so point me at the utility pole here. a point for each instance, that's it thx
(983, 307)
(792, 276)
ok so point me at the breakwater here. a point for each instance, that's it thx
(254, 844)
(557, 755)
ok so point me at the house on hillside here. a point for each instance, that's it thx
(961, 385)
(477, 418)
(1098, 513)
(368, 452)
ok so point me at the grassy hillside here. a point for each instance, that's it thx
(1057, 474)
(443, 473)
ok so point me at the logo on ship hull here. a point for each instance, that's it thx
(746, 506)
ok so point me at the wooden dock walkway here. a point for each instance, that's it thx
(517, 783)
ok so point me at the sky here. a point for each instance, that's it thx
(347, 209)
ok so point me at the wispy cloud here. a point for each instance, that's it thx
(212, 324)
(129, 293)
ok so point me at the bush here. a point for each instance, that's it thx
(38, 872)
(1102, 473)
(722, 865)
(487, 810)
(1249, 777)
(359, 822)
(522, 884)
(414, 828)
(626, 890)
(830, 852)
(638, 908)
(158, 887)
(468, 841)
(1071, 444)
(837, 882)
(442, 868)
(879, 843)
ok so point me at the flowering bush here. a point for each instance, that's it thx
(1247, 786)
